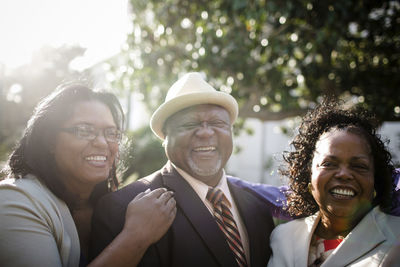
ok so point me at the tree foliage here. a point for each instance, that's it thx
(141, 155)
(276, 57)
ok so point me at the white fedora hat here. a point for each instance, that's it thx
(190, 90)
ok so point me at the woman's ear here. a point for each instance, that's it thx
(309, 186)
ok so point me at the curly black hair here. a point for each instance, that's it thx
(32, 154)
(331, 114)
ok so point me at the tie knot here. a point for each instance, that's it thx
(216, 196)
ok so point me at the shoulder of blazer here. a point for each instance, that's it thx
(124, 195)
(388, 224)
(241, 194)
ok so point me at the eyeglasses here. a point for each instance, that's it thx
(88, 132)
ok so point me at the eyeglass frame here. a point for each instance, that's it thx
(93, 131)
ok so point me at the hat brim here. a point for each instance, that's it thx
(184, 101)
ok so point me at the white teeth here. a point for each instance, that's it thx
(205, 148)
(345, 192)
(97, 158)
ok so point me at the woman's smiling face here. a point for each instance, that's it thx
(342, 176)
(84, 163)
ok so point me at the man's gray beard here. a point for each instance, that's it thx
(205, 172)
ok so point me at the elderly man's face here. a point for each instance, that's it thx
(199, 141)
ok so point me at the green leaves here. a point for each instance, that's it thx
(267, 47)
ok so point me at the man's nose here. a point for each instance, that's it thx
(204, 130)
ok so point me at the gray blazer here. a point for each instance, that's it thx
(36, 227)
(366, 245)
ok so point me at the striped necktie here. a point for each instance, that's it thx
(227, 224)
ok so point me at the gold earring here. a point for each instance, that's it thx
(374, 193)
(164, 143)
(309, 187)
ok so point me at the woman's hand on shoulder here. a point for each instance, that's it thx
(148, 217)
(150, 214)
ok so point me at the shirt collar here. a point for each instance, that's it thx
(201, 188)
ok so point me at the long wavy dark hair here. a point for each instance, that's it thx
(32, 154)
(328, 115)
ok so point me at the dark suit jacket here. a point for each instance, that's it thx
(194, 238)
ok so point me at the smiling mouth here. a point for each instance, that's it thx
(204, 149)
(343, 193)
(96, 158)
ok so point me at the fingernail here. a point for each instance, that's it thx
(148, 190)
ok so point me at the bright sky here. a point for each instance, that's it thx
(26, 25)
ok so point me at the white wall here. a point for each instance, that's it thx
(264, 147)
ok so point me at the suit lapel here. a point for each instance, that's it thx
(302, 236)
(201, 219)
(357, 241)
(256, 224)
(249, 217)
